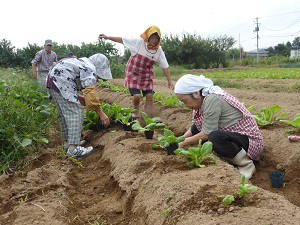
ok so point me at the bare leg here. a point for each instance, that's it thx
(149, 105)
(136, 104)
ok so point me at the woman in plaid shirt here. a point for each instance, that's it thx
(222, 119)
(145, 52)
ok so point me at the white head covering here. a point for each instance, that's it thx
(188, 84)
(101, 63)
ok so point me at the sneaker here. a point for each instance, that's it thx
(66, 146)
(80, 151)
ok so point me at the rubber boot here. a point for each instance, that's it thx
(244, 163)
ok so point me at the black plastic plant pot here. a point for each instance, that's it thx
(149, 134)
(127, 127)
(113, 123)
(97, 127)
(171, 148)
(277, 178)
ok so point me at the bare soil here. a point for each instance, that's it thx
(125, 181)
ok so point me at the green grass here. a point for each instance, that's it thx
(258, 73)
(232, 73)
(226, 83)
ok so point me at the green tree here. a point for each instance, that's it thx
(282, 49)
(7, 54)
(296, 43)
(193, 51)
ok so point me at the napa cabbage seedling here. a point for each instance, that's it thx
(169, 138)
(113, 87)
(91, 118)
(295, 122)
(197, 155)
(151, 124)
(244, 188)
(228, 199)
(108, 110)
(266, 116)
(123, 115)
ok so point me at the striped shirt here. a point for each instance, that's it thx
(244, 126)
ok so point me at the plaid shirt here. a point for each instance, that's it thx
(246, 126)
(44, 61)
(139, 73)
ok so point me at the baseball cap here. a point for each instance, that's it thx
(70, 53)
(48, 42)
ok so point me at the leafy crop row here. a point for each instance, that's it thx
(25, 115)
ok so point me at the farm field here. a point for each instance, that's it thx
(125, 181)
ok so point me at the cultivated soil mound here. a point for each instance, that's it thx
(125, 181)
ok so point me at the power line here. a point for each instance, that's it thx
(284, 35)
(292, 24)
(281, 14)
(258, 25)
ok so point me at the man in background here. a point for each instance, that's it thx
(71, 55)
(42, 63)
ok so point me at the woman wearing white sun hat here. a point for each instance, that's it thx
(65, 79)
(222, 119)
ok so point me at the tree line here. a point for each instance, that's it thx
(189, 50)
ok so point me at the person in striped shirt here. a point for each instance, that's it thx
(222, 119)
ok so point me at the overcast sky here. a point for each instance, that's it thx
(74, 22)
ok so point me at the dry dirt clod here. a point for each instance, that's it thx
(279, 167)
(210, 212)
(221, 211)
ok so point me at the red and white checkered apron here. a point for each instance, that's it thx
(245, 126)
(139, 73)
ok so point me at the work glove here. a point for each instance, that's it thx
(91, 97)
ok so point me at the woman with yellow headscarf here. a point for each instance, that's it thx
(145, 52)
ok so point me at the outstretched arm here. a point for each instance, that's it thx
(115, 39)
(168, 76)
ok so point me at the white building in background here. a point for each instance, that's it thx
(295, 54)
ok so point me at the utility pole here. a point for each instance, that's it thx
(240, 46)
(257, 37)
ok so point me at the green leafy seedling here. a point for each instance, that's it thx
(165, 212)
(151, 124)
(266, 116)
(91, 118)
(197, 155)
(169, 138)
(295, 122)
(244, 188)
(228, 199)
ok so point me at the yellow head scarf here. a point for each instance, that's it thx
(147, 33)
